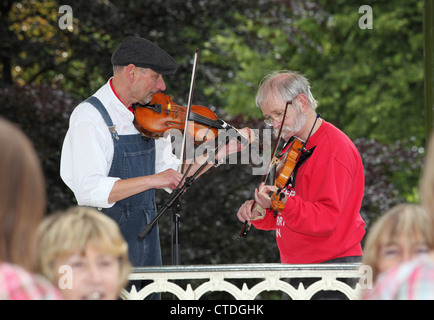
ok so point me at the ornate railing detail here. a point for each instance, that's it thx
(269, 276)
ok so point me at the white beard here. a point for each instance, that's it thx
(300, 121)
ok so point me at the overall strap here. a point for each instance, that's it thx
(100, 107)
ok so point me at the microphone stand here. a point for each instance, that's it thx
(174, 204)
(176, 220)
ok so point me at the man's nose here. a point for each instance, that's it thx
(161, 85)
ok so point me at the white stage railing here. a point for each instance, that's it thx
(268, 277)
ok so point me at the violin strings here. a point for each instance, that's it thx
(198, 118)
(194, 116)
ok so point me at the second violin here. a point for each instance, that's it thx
(284, 170)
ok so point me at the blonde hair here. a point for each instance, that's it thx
(408, 220)
(65, 233)
(22, 196)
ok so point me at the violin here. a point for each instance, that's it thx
(162, 114)
(284, 170)
(285, 166)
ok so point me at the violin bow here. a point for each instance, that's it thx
(190, 98)
(246, 228)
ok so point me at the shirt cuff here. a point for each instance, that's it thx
(99, 197)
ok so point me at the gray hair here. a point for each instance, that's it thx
(287, 84)
(117, 69)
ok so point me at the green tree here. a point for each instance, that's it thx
(366, 80)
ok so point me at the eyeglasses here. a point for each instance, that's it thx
(278, 117)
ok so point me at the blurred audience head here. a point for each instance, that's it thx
(402, 233)
(22, 196)
(83, 252)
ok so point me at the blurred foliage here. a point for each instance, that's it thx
(366, 81)
(42, 112)
(369, 83)
(387, 166)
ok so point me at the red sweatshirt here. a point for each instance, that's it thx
(321, 219)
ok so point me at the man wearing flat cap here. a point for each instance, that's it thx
(106, 162)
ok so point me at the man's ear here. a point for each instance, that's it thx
(130, 72)
(303, 103)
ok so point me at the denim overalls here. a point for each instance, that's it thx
(133, 157)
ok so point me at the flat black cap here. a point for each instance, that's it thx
(144, 54)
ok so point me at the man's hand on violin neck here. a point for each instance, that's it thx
(248, 134)
(234, 145)
(262, 195)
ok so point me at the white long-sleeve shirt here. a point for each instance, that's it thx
(87, 151)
